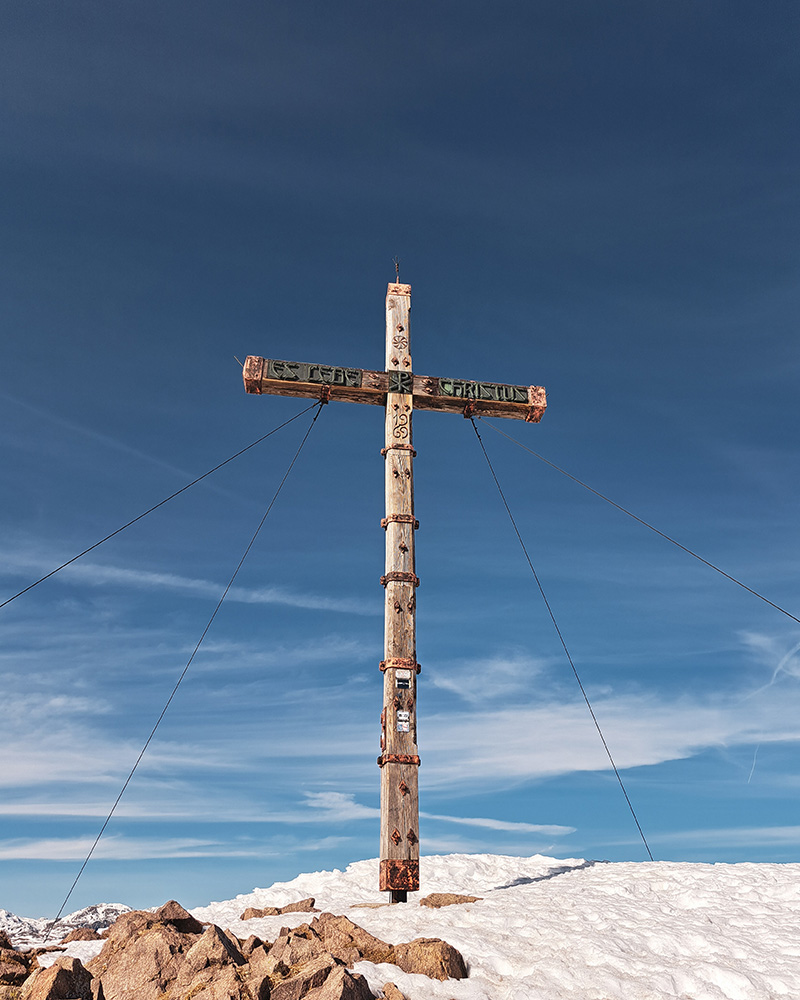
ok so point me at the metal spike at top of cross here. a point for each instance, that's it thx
(400, 392)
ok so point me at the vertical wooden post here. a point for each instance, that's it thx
(399, 759)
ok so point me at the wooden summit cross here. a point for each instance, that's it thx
(400, 391)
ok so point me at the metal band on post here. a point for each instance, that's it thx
(399, 519)
(398, 758)
(398, 447)
(401, 663)
(397, 577)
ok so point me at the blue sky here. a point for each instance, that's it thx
(597, 197)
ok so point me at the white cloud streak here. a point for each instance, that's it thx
(733, 837)
(96, 575)
(501, 825)
(119, 848)
(498, 677)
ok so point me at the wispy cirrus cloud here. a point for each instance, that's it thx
(495, 678)
(125, 848)
(501, 825)
(779, 654)
(732, 836)
(97, 575)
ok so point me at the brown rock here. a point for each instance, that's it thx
(141, 957)
(391, 992)
(301, 906)
(252, 912)
(5, 941)
(66, 978)
(173, 913)
(348, 942)
(437, 899)
(342, 985)
(249, 946)
(213, 948)
(307, 977)
(81, 934)
(14, 967)
(212, 969)
(293, 948)
(258, 972)
(430, 957)
(214, 983)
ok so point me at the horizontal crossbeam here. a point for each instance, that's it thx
(357, 385)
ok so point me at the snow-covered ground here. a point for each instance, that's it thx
(550, 929)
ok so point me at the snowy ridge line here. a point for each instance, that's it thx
(563, 929)
(29, 932)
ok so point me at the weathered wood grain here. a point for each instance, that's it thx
(490, 399)
(399, 837)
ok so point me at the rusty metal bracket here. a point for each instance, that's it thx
(398, 447)
(325, 394)
(399, 875)
(401, 663)
(469, 409)
(399, 519)
(397, 577)
(398, 758)
(396, 837)
(412, 838)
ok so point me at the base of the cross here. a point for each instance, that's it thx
(399, 875)
(399, 896)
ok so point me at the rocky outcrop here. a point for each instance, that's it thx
(301, 906)
(308, 976)
(430, 957)
(81, 934)
(212, 969)
(167, 954)
(143, 953)
(348, 942)
(391, 992)
(342, 985)
(15, 967)
(437, 899)
(64, 980)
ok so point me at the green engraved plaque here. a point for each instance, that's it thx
(297, 371)
(498, 393)
(401, 382)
